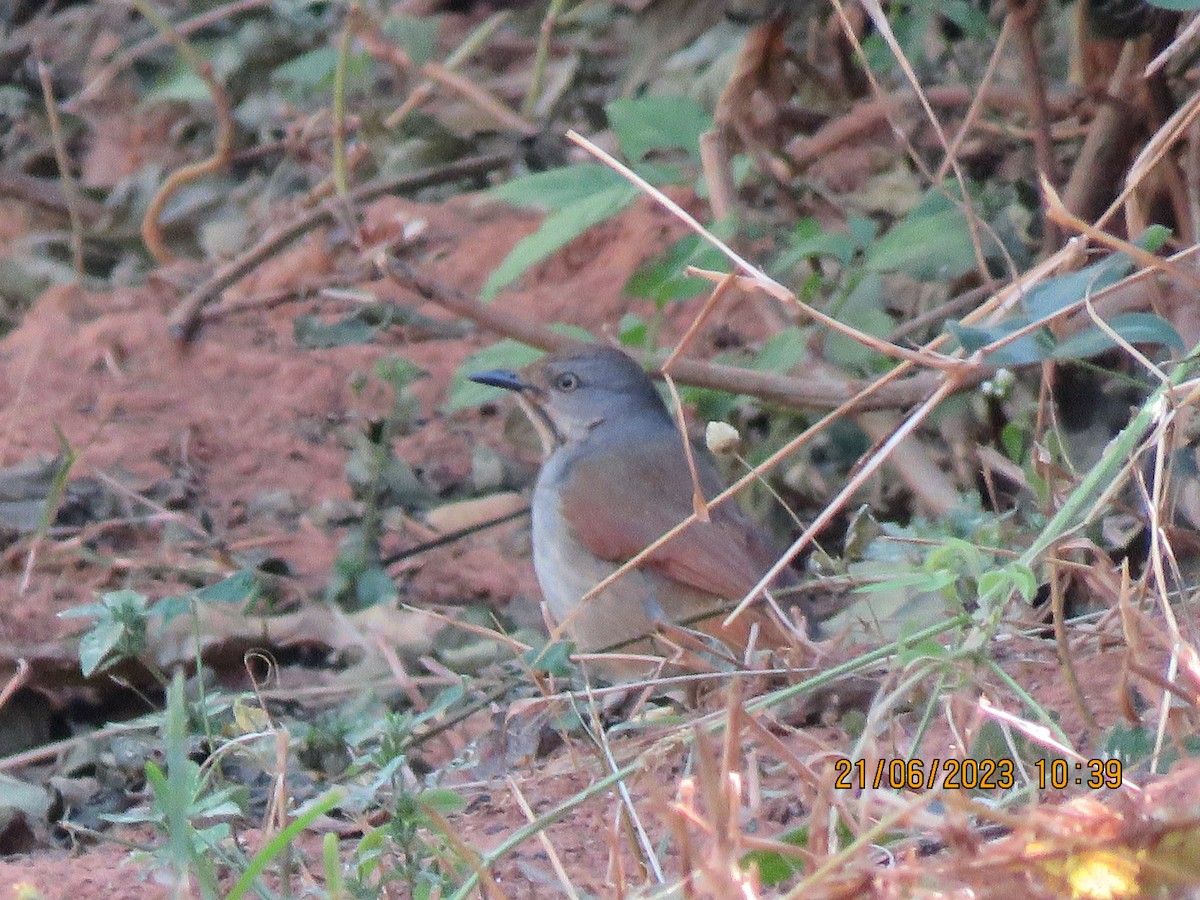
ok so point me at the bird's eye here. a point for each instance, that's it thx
(567, 382)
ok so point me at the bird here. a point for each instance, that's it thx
(615, 480)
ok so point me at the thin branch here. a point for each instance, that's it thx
(816, 390)
(126, 58)
(222, 148)
(185, 318)
(70, 191)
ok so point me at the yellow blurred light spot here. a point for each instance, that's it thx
(1101, 875)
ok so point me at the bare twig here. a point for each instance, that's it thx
(70, 193)
(47, 194)
(1025, 15)
(222, 148)
(186, 316)
(15, 683)
(423, 91)
(872, 115)
(817, 389)
(126, 58)
(1057, 212)
(384, 50)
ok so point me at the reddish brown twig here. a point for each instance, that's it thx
(222, 149)
(818, 389)
(876, 114)
(1024, 16)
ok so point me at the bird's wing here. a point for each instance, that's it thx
(618, 501)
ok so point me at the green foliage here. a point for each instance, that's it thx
(582, 196)
(775, 867)
(809, 241)
(931, 243)
(1134, 745)
(242, 587)
(117, 633)
(918, 25)
(121, 620)
(504, 354)
(417, 35)
(182, 801)
(379, 478)
(301, 820)
(313, 72)
(650, 124)
(664, 279)
(557, 189)
(557, 230)
(411, 848)
(1053, 295)
(782, 352)
(553, 658)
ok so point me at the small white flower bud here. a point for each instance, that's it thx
(722, 438)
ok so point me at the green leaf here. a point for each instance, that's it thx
(1136, 328)
(930, 247)
(929, 649)
(1055, 294)
(119, 630)
(558, 230)
(235, 589)
(1012, 438)
(809, 240)
(441, 800)
(313, 71)
(967, 16)
(1040, 345)
(398, 371)
(97, 644)
(784, 351)
(183, 85)
(644, 124)
(632, 330)
(1177, 5)
(242, 587)
(557, 188)
(505, 354)
(313, 334)
(775, 867)
(554, 658)
(1025, 350)
(862, 310)
(374, 586)
(663, 278)
(862, 230)
(418, 35)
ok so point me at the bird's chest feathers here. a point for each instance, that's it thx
(565, 569)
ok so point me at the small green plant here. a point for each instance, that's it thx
(121, 620)
(118, 632)
(414, 848)
(379, 479)
(186, 807)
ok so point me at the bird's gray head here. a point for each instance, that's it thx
(574, 390)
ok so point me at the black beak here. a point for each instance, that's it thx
(501, 378)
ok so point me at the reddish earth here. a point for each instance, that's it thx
(243, 413)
